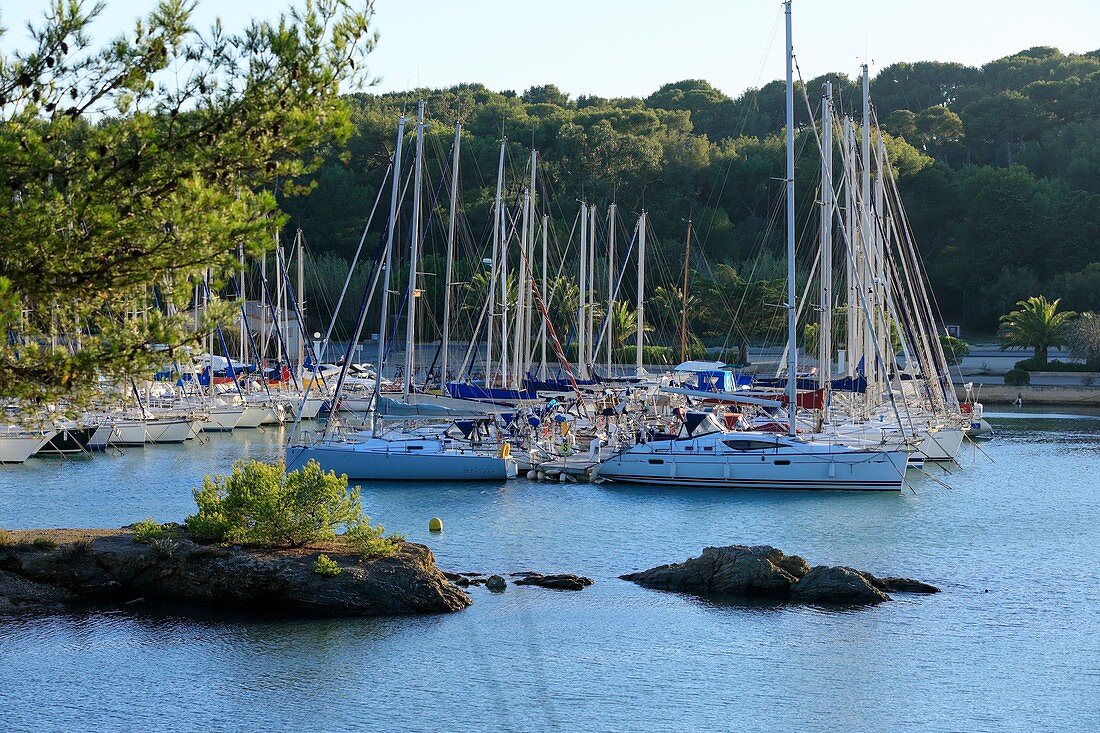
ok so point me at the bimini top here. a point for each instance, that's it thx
(700, 366)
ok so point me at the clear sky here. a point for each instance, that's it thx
(630, 47)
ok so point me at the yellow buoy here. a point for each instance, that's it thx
(435, 524)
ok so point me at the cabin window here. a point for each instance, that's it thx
(656, 461)
(782, 463)
(741, 444)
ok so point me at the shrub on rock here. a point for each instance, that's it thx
(369, 541)
(326, 567)
(261, 504)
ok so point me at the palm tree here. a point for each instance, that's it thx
(561, 303)
(1037, 324)
(623, 323)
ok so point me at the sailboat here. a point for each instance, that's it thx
(17, 444)
(887, 298)
(705, 453)
(400, 454)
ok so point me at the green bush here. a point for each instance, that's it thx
(326, 567)
(260, 504)
(148, 530)
(368, 541)
(44, 543)
(163, 546)
(954, 349)
(1035, 364)
(1017, 377)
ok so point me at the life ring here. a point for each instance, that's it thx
(505, 450)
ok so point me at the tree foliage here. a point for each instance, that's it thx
(1036, 324)
(1083, 339)
(129, 170)
(261, 504)
(999, 167)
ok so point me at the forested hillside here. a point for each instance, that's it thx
(999, 165)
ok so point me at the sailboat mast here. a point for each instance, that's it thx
(244, 301)
(854, 311)
(387, 262)
(825, 340)
(280, 295)
(210, 335)
(684, 296)
(880, 281)
(449, 271)
(522, 282)
(529, 269)
(868, 237)
(300, 297)
(545, 295)
(414, 256)
(505, 238)
(639, 326)
(497, 218)
(582, 294)
(591, 330)
(792, 346)
(611, 269)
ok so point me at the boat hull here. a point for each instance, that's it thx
(121, 433)
(845, 471)
(307, 409)
(221, 419)
(17, 448)
(167, 431)
(253, 416)
(69, 441)
(402, 464)
(942, 444)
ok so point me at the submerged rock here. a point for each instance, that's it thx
(496, 583)
(764, 571)
(107, 566)
(557, 581)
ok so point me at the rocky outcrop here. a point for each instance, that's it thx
(763, 571)
(831, 584)
(50, 569)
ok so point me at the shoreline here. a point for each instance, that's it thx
(1032, 394)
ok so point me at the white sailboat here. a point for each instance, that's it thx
(17, 444)
(886, 296)
(711, 456)
(705, 453)
(396, 455)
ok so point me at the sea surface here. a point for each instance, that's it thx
(1011, 644)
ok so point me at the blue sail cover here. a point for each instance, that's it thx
(532, 384)
(849, 384)
(463, 391)
(844, 384)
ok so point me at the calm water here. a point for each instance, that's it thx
(1011, 643)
